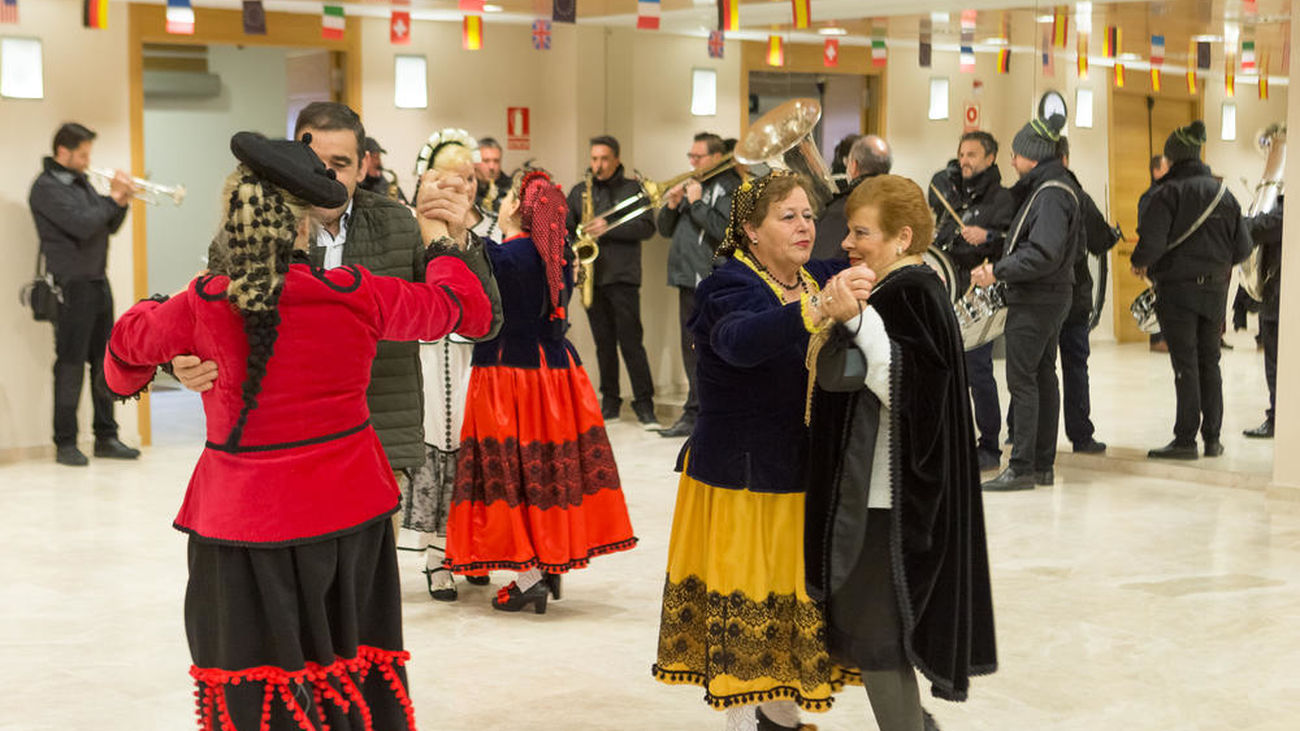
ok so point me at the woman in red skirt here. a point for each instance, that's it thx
(537, 490)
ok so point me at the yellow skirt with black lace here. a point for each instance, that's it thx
(737, 619)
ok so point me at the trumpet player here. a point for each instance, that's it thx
(615, 312)
(694, 216)
(73, 222)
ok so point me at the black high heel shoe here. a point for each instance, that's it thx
(553, 582)
(442, 594)
(510, 599)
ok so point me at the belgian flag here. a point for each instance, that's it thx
(94, 14)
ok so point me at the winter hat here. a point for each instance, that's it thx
(1185, 143)
(1039, 140)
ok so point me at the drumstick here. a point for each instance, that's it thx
(971, 288)
(946, 205)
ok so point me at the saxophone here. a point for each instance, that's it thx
(1273, 142)
(585, 248)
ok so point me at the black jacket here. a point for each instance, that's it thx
(1038, 264)
(696, 229)
(73, 222)
(620, 250)
(1173, 205)
(503, 183)
(378, 185)
(1266, 232)
(1096, 237)
(833, 225)
(980, 201)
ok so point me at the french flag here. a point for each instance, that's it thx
(180, 17)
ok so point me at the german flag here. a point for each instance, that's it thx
(1119, 76)
(1004, 60)
(728, 14)
(1155, 79)
(775, 51)
(1111, 46)
(802, 12)
(94, 14)
(471, 37)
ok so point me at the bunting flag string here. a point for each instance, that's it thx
(879, 53)
(831, 53)
(1083, 54)
(254, 18)
(9, 11)
(471, 36)
(967, 58)
(1155, 78)
(180, 17)
(1157, 50)
(564, 11)
(717, 44)
(925, 49)
(399, 28)
(1263, 79)
(728, 15)
(332, 23)
(775, 51)
(1048, 56)
(1060, 26)
(1119, 76)
(94, 14)
(1004, 60)
(801, 11)
(1110, 47)
(1192, 50)
(1230, 74)
(647, 14)
(1248, 52)
(470, 6)
(541, 35)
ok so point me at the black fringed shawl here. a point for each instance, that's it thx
(937, 539)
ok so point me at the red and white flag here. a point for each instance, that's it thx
(831, 53)
(647, 14)
(399, 28)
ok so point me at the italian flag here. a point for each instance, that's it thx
(332, 24)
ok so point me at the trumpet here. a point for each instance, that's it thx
(145, 190)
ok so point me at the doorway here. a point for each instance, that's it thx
(1139, 125)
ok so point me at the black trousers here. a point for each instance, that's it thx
(1077, 400)
(615, 317)
(81, 336)
(685, 309)
(1191, 317)
(1268, 337)
(984, 394)
(1032, 334)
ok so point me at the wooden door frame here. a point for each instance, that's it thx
(1173, 92)
(803, 58)
(147, 24)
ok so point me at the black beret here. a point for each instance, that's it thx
(290, 165)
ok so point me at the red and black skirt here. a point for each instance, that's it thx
(299, 638)
(536, 483)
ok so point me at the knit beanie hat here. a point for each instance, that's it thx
(1039, 140)
(1185, 143)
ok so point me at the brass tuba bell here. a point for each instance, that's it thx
(782, 138)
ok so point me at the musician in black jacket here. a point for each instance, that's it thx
(1038, 267)
(1266, 231)
(615, 312)
(972, 185)
(74, 222)
(1190, 233)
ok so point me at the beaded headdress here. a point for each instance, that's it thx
(743, 202)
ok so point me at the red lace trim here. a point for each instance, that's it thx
(214, 715)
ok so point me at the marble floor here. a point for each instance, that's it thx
(1124, 601)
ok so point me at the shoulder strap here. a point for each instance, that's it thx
(1223, 188)
(1015, 236)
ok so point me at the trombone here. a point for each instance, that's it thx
(145, 190)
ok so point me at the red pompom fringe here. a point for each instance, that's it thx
(214, 715)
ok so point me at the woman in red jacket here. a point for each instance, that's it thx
(292, 609)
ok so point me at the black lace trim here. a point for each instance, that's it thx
(352, 286)
(543, 475)
(201, 289)
(102, 383)
(779, 693)
(779, 637)
(477, 567)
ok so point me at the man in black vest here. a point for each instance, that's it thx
(972, 185)
(74, 222)
(1266, 231)
(1190, 233)
(1038, 267)
(615, 312)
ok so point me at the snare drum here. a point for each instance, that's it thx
(982, 315)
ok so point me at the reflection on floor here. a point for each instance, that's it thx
(1122, 601)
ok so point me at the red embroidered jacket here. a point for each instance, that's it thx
(308, 464)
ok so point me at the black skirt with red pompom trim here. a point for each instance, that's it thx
(299, 638)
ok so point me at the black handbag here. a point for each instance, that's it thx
(42, 294)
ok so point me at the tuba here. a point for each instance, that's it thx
(1272, 141)
(782, 138)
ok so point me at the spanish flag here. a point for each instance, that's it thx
(1263, 78)
(728, 14)
(1155, 79)
(1083, 55)
(1060, 26)
(802, 12)
(1230, 83)
(94, 14)
(775, 51)
(471, 38)
(1119, 76)
(1111, 46)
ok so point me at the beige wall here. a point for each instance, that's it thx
(85, 81)
(1286, 462)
